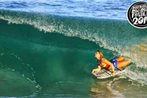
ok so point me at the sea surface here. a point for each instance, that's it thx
(47, 49)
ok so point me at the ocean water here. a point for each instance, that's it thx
(112, 9)
(47, 50)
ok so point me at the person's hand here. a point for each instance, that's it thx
(94, 72)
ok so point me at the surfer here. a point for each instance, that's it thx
(116, 63)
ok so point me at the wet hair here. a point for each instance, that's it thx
(101, 54)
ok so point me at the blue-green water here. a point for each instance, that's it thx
(52, 56)
(112, 9)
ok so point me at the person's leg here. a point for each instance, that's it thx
(123, 63)
(119, 59)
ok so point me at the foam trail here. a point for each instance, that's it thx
(138, 53)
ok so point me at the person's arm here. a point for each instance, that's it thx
(96, 70)
(111, 66)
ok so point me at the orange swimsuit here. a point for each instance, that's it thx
(106, 66)
(103, 65)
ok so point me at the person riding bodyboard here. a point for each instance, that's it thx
(116, 63)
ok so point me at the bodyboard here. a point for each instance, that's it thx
(104, 74)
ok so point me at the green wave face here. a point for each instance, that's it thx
(56, 57)
(47, 60)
